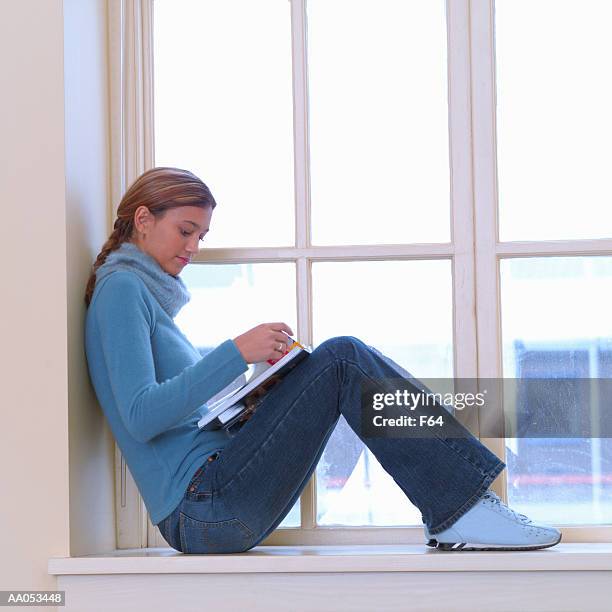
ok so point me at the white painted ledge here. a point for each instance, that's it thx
(566, 578)
(342, 559)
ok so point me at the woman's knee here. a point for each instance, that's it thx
(342, 346)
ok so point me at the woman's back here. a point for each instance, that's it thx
(150, 382)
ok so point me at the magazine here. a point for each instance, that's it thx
(226, 411)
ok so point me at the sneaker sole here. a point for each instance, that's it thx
(460, 546)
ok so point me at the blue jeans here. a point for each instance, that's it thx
(236, 500)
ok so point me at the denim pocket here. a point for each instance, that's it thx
(192, 492)
(197, 477)
(200, 537)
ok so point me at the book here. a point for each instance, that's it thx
(226, 411)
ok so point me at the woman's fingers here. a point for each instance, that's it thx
(280, 344)
(264, 342)
(281, 336)
(282, 327)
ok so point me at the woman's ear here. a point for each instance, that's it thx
(142, 220)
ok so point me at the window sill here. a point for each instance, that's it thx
(332, 559)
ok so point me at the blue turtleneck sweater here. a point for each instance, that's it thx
(152, 384)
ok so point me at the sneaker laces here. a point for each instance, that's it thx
(495, 500)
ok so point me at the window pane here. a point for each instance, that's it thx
(556, 323)
(378, 121)
(553, 118)
(403, 309)
(227, 300)
(223, 109)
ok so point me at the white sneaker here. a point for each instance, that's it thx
(491, 525)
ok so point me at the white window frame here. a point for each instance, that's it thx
(474, 250)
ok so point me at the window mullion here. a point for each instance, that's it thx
(308, 500)
(302, 208)
(485, 204)
(300, 124)
(462, 209)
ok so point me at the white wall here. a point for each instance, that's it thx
(55, 449)
(92, 525)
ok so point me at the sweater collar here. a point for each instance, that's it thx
(170, 291)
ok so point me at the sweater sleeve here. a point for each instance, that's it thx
(204, 350)
(148, 408)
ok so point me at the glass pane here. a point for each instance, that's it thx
(224, 109)
(378, 121)
(553, 118)
(556, 323)
(378, 302)
(227, 300)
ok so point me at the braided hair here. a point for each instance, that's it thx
(159, 189)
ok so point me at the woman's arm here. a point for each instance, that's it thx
(204, 350)
(125, 322)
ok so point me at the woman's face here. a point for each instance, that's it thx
(173, 239)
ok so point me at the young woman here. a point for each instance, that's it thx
(225, 491)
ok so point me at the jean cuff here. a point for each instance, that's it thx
(472, 501)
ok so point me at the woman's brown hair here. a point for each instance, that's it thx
(159, 189)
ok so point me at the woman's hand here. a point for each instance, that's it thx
(266, 341)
